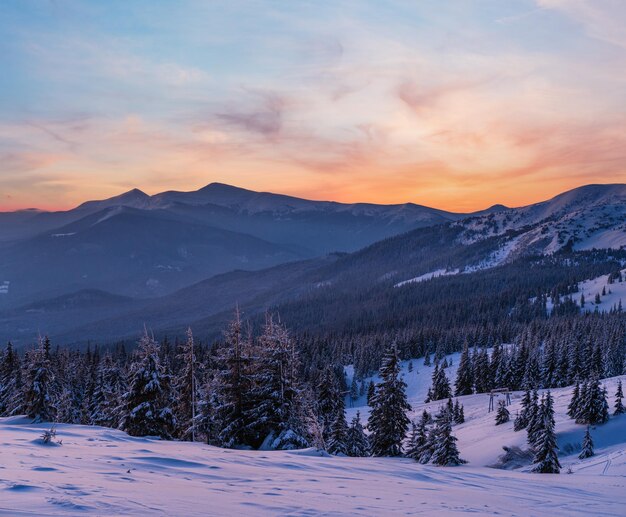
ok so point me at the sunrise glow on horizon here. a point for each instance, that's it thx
(455, 105)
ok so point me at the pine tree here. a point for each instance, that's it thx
(521, 421)
(388, 422)
(412, 447)
(146, 406)
(357, 444)
(276, 391)
(450, 409)
(573, 406)
(185, 385)
(338, 439)
(502, 415)
(10, 382)
(587, 450)
(441, 384)
(38, 400)
(458, 413)
(594, 408)
(534, 419)
(425, 453)
(445, 452)
(103, 409)
(464, 376)
(546, 460)
(619, 395)
(354, 391)
(371, 390)
(329, 401)
(231, 386)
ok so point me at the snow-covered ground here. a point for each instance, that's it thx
(99, 471)
(480, 441)
(428, 276)
(614, 293)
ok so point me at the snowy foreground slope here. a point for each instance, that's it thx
(104, 472)
(99, 471)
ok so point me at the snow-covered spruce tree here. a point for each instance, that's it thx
(104, 408)
(388, 422)
(207, 421)
(354, 391)
(459, 413)
(441, 384)
(276, 391)
(371, 390)
(232, 383)
(450, 409)
(534, 419)
(38, 400)
(521, 421)
(546, 460)
(445, 452)
(619, 395)
(329, 400)
(502, 414)
(338, 439)
(357, 444)
(411, 448)
(186, 387)
(10, 381)
(587, 449)
(425, 452)
(417, 440)
(574, 404)
(482, 372)
(71, 404)
(464, 384)
(146, 406)
(594, 408)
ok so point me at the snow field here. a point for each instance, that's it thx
(99, 471)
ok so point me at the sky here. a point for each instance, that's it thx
(456, 104)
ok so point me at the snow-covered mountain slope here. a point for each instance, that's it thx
(480, 441)
(98, 471)
(610, 294)
(593, 216)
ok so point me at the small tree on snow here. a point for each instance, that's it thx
(619, 395)
(534, 419)
(573, 406)
(521, 420)
(388, 422)
(465, 374)
(459, 414)
(337, 441)
(587, 450)
(593, 407)
(502, 415)
(38, 397)
(357, 444)
(445, 452)
(546, 460)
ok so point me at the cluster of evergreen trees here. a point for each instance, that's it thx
(244, 392)
(254, 391)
